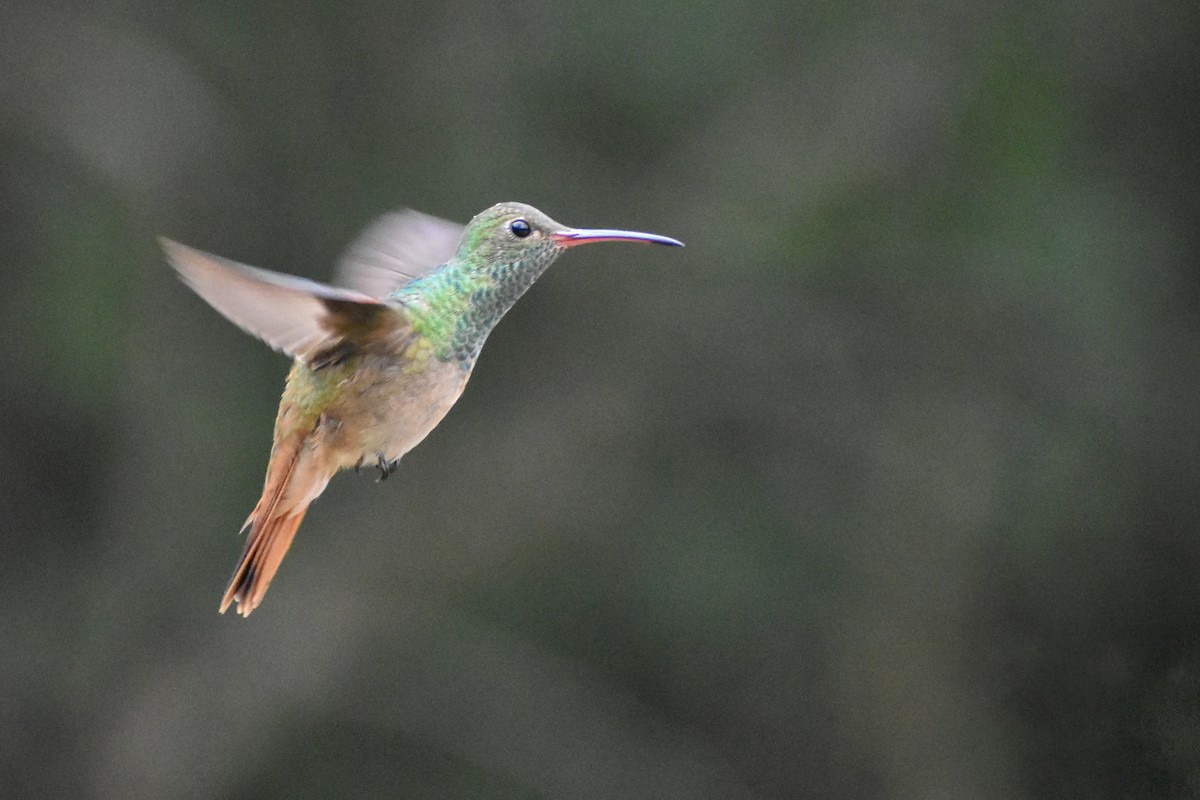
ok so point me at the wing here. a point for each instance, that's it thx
(299, 317)
(396, 248)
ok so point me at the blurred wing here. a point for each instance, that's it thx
(295, 316)
(396, 248)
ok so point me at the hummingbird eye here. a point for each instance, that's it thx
(520, 228)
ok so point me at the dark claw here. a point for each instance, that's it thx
(386, 467)
(358, 465)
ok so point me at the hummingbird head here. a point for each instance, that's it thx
(510, 234)
(502, 252)
(520, 235)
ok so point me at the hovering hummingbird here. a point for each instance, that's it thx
(379, 362)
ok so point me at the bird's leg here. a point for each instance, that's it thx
(386, 467)
(358, 465)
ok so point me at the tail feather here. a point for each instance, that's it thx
(294, 479)
(260, 560)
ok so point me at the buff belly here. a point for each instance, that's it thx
(384, 407)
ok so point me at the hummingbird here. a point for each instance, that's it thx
(378, 360)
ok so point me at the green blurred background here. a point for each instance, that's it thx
(885, 487)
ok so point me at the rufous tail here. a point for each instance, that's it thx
(293, 481)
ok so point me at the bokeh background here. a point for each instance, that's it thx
(886, 486)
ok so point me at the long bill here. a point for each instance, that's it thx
(575, 236)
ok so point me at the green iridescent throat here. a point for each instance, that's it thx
(458, 305)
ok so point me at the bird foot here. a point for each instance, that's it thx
(386, 467)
